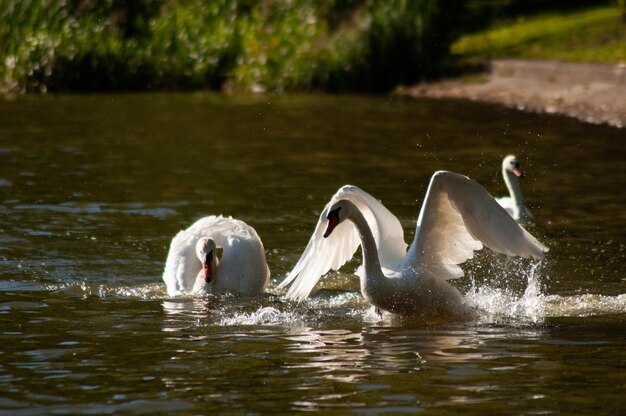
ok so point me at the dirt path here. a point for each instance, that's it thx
(594, 93)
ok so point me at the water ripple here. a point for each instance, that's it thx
(99, 208)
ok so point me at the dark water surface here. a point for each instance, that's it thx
(93, 188)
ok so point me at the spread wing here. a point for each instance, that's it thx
(323, 254)
(459, 216)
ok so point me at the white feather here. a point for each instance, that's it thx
(242, 268)
(323, 254)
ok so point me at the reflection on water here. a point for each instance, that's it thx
(92, 189)
(361, 362)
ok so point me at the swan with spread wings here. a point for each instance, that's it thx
(458, 217)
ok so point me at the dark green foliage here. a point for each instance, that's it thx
(243, 45)
(407, 41)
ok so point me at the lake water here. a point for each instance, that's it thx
(93, 188)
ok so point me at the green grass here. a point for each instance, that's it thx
(590, 35)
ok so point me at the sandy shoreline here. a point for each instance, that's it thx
(595, 93)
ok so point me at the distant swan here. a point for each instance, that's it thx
(192, 264)
(457, 217)
(514, 204)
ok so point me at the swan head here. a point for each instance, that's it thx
(337, 213)
(511, 164)
(206, 251)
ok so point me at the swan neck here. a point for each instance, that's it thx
(513, 185)
(371, 263)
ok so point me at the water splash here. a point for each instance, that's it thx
(372, 316)
(496, 304)
(267, 315)
(531, 304)
(498, 298)
(84, 289)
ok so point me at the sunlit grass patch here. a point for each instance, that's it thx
(591, 35)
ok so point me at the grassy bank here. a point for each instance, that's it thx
(595, 34)
(274, 45)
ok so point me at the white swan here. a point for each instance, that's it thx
(457, 217)
(514, 204)
(192, 264)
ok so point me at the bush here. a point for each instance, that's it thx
(244, 45)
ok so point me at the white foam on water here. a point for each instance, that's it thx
(584, 305)
(267, 315)
(83, 289)
(372, 316)
(495, 301)
(339, 300)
